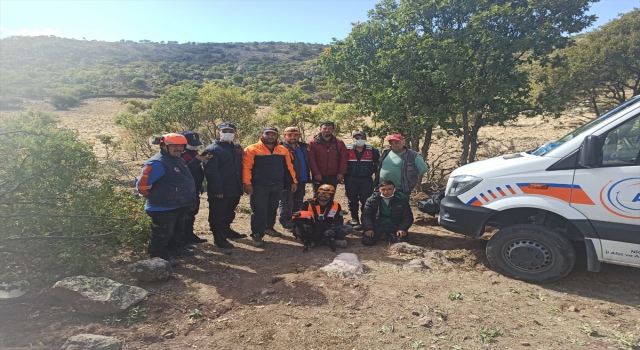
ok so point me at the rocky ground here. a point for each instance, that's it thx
(276, 297)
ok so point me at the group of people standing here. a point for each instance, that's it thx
(274, 174)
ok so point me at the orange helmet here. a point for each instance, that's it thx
(326, 188)
(292, 130)
(173, 139)
(303, 214)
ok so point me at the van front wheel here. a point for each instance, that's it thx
(531, 253)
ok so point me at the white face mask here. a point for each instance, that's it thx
(383, 196)
(227, 137)
(359, 143)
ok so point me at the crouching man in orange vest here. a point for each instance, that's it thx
(328, 224)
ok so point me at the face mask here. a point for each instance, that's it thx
(359, 143)
(226, 137)
(385, 197)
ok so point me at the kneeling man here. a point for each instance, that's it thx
(328, 219)
(386, 213)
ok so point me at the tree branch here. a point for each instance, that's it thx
(54, 238)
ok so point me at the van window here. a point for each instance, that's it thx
(622, 144)
(550, 146)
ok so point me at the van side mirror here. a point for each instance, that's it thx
(589, 153)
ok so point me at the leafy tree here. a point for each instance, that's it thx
(58, 213)
(416, 63)
(216, 105)
(603, 67)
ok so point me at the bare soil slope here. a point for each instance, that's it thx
(275, 297)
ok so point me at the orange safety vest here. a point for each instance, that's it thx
(330, 211)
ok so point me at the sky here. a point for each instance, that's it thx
(310, 21)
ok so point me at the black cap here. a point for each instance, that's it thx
(270, 129)
(359, 133)
(227, 126)
(328, 122)
(193, 139)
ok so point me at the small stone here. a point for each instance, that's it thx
(406, 248)
(151, 270)
(473, 317)
(425, 322)
(169, 335)
(307, 324)
(415, 264)
(572, 308)
(92, 342)
(415, 313)
(266, 291)
(524, 343)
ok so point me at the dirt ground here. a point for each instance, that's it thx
(276, 298)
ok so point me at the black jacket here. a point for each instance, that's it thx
(195, 167)
(401, 213)
(224, 169)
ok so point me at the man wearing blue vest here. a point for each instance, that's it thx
(170, 191)
(361, 166)
(292, 201)
(401, 165)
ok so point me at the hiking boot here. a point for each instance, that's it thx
(257, 241)
(221, 242)
(340, 243)
(229, 233)
(271, 232)
(193, 239)
(172, 262)
(182, 251)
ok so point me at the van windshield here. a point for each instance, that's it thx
(544, 149)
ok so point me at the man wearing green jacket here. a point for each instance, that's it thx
(386, 213)
(400, 165)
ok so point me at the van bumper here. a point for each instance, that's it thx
(462, 218)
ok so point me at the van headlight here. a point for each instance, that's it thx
(462, 184)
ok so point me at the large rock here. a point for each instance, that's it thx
(92, 342)
(97, 295)
(406, 248)
(151, 270)
(344, 265)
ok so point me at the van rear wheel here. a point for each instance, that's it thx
(531, 253)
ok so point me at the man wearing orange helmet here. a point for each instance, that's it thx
(292, 201)
(170, 191)
(328, 219)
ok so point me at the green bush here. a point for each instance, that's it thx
(59, 215)
(62, 102)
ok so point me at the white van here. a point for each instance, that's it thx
(583, 187)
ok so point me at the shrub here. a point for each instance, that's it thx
(62, 102)
(59, 214)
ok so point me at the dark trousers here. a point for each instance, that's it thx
(357, 190)
(191, 219)
(264, 206)
(326, 179)
(378, 232)
(222, 212)
(290, 203)
(166, 229)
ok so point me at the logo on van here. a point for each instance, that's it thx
(622, 198)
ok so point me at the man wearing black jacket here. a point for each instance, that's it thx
(292, 201)
(223, 171)
(386, 213)
(194, 163)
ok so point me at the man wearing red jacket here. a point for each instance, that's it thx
(327, 157)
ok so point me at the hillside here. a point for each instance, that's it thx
(38, 67)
